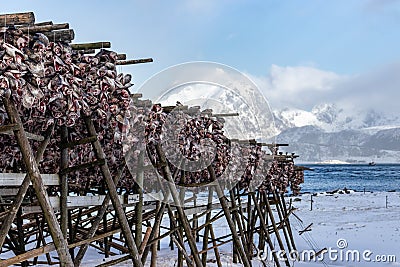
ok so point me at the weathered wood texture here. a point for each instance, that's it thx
(62, 35)
(15, 179)
(134, 61)
(94, 45)
(23, 188)
(133, 250)
(44, 28)
(27, 18)
(37, 182)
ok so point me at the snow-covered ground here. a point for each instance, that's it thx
(355, 222)
(355, 229)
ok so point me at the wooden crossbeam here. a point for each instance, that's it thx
(26, 18)
(82, 141)
(94, 45)
(50, 247)
(44, 28)
(61, 35)
(15, 179)
(134, 61)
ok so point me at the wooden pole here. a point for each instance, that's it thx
(265, 229)
(277, 235)
(44, 28)
(183, 251)
(216, 252)
(238, 221)
(311, 202)
(195, 218)
(43, 23)
(175, 196)
(62, 35)
(155, 231)
(64, 159)
(154, 247)
(37, 183)
(289, 228)
(179, 241)
(282, 219)
(5, 226)
(133, 250)
(139, 204)
(121, 56)
(207, 228)
(96, 221)
(225, 207)
(21, 242)
(181, 254)
(94, 45)
(157, 225)
(134, 61)
(264, 217)
(17, 19)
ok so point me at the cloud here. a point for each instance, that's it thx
(298, 86)
(305, 87)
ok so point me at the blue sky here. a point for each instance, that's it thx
(308, 46)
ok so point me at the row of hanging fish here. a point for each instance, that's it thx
(52, 84)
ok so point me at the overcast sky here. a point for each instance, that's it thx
(300, 53)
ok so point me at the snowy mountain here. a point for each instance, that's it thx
(330, 118)
(331, 133)
(325, 132)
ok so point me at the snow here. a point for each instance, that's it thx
(332, 161)
(299, 118)
(360, 220)
(376, 129)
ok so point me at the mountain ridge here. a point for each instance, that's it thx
(330, 133)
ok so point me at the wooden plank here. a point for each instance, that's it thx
(44, 28)
(17, 19)
(8, 128)
(15, 179)
(28, 135)
(49, 248)
(87, 201)
(82, 141)
(134, 61)
(8, 191)
(94, 45)
(121, 56)
(137, 95)
(82, 166)
(225, 114)
(44, 23)
(62, 35)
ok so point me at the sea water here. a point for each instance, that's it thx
(378, 178)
